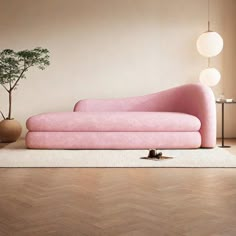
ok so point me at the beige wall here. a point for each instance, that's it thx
(113, 48)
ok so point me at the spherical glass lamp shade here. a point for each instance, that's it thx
(210, 44)
(210, 77)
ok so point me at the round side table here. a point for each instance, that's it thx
(223, 102)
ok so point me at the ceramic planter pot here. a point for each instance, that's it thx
(10, 131)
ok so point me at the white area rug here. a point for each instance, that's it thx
(15, 155)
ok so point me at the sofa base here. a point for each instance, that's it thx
(113, 140)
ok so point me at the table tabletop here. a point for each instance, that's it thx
(224, 102)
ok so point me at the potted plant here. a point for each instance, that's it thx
(13, 67)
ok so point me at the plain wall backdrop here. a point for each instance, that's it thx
(114, 48)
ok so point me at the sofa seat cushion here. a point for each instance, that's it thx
(113, 140)
(113, 122)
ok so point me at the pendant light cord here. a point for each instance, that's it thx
(208, 17)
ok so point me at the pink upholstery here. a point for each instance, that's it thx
(113, 140)
(194, 99)
(114, 121)
(182, 117)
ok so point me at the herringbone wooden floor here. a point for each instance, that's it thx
(110, 202)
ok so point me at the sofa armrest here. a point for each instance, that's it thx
(193, 99)
(197, 100)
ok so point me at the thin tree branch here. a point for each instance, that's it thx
(5, 88)
(2, 115)
(22, 72)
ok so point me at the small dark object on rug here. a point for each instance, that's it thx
(155, 156)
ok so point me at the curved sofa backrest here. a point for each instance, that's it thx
(193, 99)
(139, 103)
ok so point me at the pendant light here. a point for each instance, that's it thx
(210, 77)
(210, 44)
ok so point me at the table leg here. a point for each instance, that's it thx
(223, 127)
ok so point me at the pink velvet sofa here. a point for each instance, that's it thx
(181, 117)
